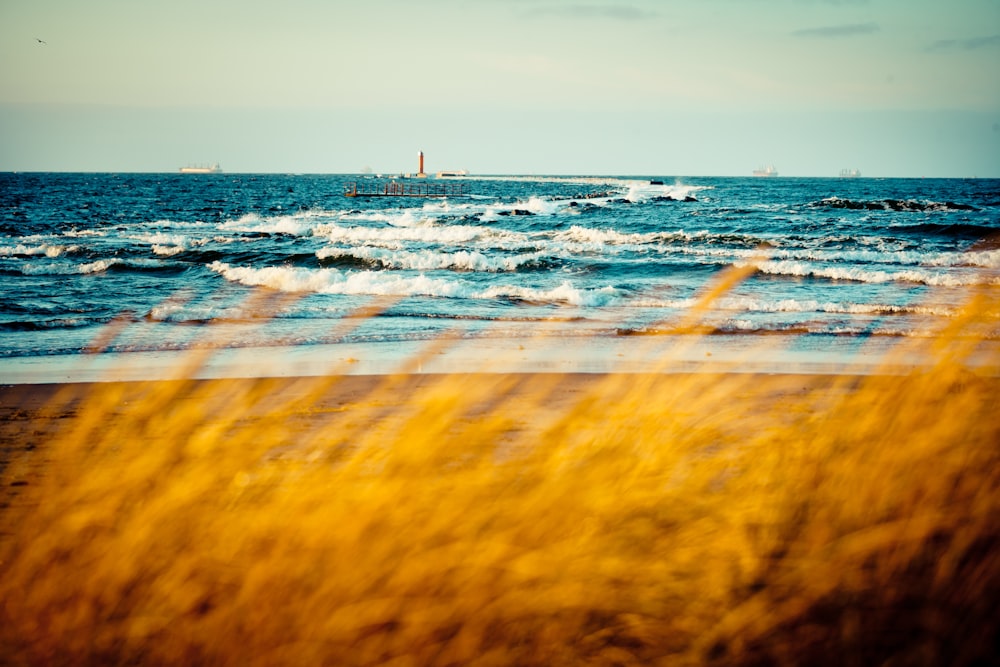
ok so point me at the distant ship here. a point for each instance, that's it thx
(850, 173)
(769, 170)
(202, 169)
(455, 173)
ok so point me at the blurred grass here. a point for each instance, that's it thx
(514, 519)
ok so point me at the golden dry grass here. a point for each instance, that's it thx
(511, 519)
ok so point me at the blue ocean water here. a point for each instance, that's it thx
(175, 261)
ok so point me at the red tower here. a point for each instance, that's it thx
(420, 155)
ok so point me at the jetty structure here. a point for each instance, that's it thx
(404, 187)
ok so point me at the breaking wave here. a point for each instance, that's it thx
(459, 260)
(875, 276)
(384, 283)
(44, 249)
(98, 266)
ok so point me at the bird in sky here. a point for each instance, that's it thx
(40, 41)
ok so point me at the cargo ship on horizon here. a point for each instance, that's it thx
(202, 169)
(769, 170)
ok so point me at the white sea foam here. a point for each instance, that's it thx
(487, 208)
(104, 264)
(640, 191)
(394, 236)
(881, 257)
(168, 250)
(161, 238)
(385, 283)
(861, 274)
(62, 269)
(564, 293)
(332, 281)
(44, 249)
(295, 225)
(182, 311)
(429, 213)
(989, 259)
(647, 301)
(612, 237)
(586, 235)
(597, 238)
(82, 233)
(98, 266)
(751, 304)
(461, 260)
(406, 219)
(984, 259)
(542, 205)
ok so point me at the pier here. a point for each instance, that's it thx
(395, 188)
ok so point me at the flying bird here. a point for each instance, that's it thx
(40, 41)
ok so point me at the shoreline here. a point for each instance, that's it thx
(688, 353)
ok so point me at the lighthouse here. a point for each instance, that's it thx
(420, 171)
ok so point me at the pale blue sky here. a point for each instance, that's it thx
(664, 87)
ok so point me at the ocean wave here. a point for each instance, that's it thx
(533, 206)
(600, 237)
(908, 205)
(333, 281)
(181, 312)
(616, 250)
(645, 191)
(483, 209)
(396, 218)
(52, 324)
(563, 293)
(758, 305)
(295, 224)
(865, 275)
(540, 205)
(460, 260)
(99, 266)
(963, 230)
(393, 237)
(383, 283)
(162, 238)
(167, 250)
(83, 233)
(986, 259)
(45, 249)
(612, 237)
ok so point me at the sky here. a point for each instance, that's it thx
(905, 88)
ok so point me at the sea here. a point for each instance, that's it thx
(138, 267)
